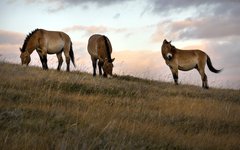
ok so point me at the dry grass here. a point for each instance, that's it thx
(58, 110)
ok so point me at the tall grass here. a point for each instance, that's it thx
(59, 110)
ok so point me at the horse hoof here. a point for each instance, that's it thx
(205, 87)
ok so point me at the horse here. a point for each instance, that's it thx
(186, 60)
(47, 42)
(100, 48)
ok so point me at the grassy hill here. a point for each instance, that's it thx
(59, 110)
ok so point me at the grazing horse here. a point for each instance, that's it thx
(186, 60)
(47, 42)
(99, 48)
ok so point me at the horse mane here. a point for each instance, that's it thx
(173, 47)
(27, 39)
(107, 49)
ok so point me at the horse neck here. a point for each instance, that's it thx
(32, 44)
(108, 53)
(174, 49)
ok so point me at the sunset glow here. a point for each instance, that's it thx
(136, 30)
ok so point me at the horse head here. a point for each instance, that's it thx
(25, 57)
(167, 50)
(108, 67)
(25, 53)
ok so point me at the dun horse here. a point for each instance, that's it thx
(47, 42)
(99, 48)
(186, 60)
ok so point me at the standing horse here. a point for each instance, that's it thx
(47, 42)
(186, 60)
(99, 48)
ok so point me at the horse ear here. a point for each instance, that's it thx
(165, 41)
(113, 59)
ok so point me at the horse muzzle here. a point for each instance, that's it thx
(24, 65)
(109, 76)
(169, 56)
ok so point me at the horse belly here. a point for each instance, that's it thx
(55, 47)
(186, 67)
(93, 52)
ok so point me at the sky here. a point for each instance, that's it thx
(136, 29)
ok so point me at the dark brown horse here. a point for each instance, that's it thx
(185, 60)
(47, 42)
(100, 48)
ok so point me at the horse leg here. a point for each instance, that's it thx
(94, 64)
(44, 55)
(60, 61)
(205, 82)
(175, 75)
(100, 64)
(68, 63)
(204, 78)
(67, 57)
(200, 68)
(43, 59)
(45, 62)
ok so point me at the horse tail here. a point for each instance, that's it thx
(72, 55)
(210, 66)
(107, 49)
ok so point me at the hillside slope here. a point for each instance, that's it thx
(59, 110)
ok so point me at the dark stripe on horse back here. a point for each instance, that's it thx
(107, 49)
(27, 39)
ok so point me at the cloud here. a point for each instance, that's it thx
(212, 27)
(226, 52)
(138, 62)
(99, 3)
(9, 45)
(88, 30)
(197, 28)
(9, 52)
(208, 19)
(116, 16)
(58, 5)
(215, 7)
(79, 2)
(9, 37)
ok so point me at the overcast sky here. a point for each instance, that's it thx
(136, 29)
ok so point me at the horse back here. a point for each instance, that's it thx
(188, 57)
(97, 47)
(187, 54)
(54, 41)
(55, 35)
